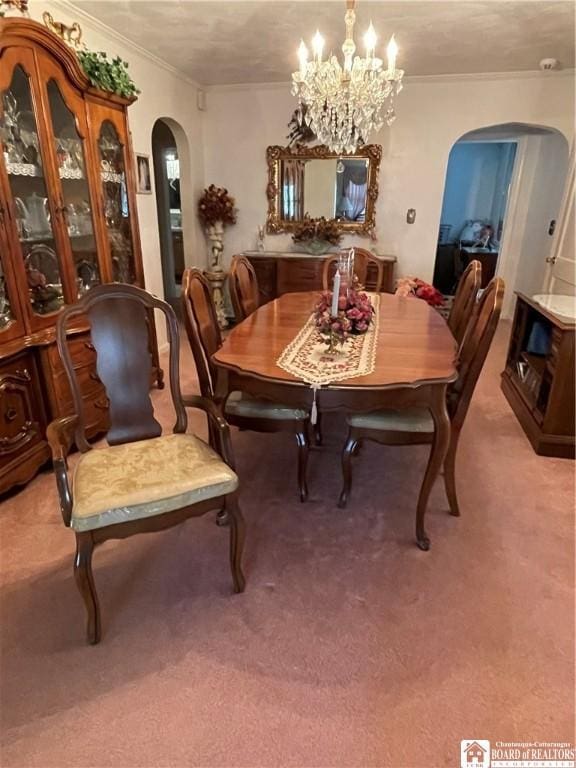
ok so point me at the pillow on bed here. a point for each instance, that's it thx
(471, 230)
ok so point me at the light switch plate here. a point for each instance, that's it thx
(411, 215)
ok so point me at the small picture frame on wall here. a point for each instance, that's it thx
(143, 179)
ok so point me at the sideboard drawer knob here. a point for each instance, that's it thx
(10, 414)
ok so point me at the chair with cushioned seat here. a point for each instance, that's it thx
(362, 259)
(243, 285)
(415, 426)
(242, 410)
(143, 481)
(465, 300)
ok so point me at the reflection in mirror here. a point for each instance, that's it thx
(334, 188)
(314, 182)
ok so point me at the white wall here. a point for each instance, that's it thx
(433, 113)
(535, 199)
(165, 94)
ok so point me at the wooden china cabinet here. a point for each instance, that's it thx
(67, 222)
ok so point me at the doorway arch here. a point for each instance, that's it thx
(170, 155)
(533, 197)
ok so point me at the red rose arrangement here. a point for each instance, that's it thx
(216, 204)
(413, 286)
(355, 313)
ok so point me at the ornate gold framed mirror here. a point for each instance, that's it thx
(315, 182)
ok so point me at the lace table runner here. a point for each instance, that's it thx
(306, 356)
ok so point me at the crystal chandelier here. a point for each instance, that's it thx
(345, 104)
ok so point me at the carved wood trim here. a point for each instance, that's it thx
(17, 383)
(20, 31)
(275, 154)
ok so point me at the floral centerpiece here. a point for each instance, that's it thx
(413, 286)
(354, 315)
(317, 235)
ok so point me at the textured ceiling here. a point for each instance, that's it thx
(222, 42)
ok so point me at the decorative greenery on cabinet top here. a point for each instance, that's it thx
(108, 74)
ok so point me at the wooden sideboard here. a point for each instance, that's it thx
(538, 380)
(289, 272)
(67, 222)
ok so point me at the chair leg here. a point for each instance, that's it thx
(237, 533)
(85, 583)
(303, 446)
(318, 430)
(349, 450)
(450, 474)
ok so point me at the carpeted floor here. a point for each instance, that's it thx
(350, 647)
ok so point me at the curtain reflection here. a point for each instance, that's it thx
(292, 190)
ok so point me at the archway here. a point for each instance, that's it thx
(503, 191)
(170, 153)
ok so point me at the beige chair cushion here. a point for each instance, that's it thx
(241, 404)
(406, 420)
(150, 477)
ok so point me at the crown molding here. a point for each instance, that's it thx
(463, 77)
(74, 10)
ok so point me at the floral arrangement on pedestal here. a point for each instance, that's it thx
(216, 210)
(317, 235)
(413, 286)
(353, 317)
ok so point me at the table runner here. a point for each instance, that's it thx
(306, 356)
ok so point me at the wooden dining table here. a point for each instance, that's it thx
(415, 362)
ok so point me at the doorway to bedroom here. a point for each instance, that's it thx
(473, 209)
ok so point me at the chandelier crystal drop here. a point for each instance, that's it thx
(347, 103)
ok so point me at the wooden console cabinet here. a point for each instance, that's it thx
(538, 380)
(280, 273)
(67, 222)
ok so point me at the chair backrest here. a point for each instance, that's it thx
(243, 287)
(202, 327)
(474, 349)
(465, 300)
(362, 258)
(120, 317)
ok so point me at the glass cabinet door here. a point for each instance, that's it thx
(11, 323)
(76, 207)
(116, 205)
(25, 169)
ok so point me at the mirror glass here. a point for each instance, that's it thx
(332, 187)
(313, 182)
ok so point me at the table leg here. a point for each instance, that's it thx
(436, 459)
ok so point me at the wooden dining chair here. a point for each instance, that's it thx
(143, 481)
(362, 259)
(243, 285)
(414, 426)
(242, 410)
(465, 300)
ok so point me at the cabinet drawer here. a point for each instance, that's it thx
(22, 418)
(94, 409)
(81, 350)
(87, 379)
